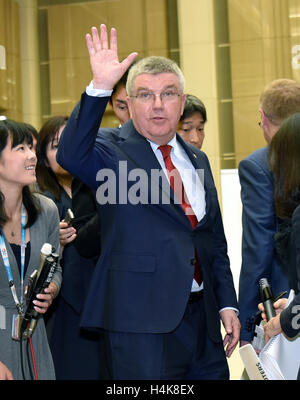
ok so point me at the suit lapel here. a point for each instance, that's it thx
(202, 168)
(138, 150)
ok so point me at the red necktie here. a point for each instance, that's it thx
(178, 188)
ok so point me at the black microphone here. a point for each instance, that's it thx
(46, 251)
(38, 281)
(267, 298)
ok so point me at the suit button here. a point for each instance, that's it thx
(193, 261)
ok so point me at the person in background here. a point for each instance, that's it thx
(279, 100)
(192, 122)
(118, 100)
(286, 170)
(75, 352)
(146, 295)
(27, 221)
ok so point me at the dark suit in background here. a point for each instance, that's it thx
(260, 223)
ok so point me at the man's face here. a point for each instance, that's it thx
(119, 105)
(156, 118)
(191, 129)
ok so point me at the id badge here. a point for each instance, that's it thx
(15, 329)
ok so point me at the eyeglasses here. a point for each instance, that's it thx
(168, 96)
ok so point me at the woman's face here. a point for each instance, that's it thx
(51, 155)
(17, 164)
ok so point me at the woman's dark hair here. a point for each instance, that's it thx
(284, 156)
(32, 130)
(46, 178)
(192, 105)
(18, 133)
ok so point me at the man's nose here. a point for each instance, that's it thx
(157, 100)
(194, 136)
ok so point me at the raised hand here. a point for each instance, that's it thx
(105, 65)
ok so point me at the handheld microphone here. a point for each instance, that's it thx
(267, 298)
(46, 250)
(38, 281)
(252, 363)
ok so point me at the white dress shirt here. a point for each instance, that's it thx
(192, 182)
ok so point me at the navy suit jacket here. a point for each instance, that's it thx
(260, 223)
(144, 276)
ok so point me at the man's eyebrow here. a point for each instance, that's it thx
(190, 122)
(150, 90)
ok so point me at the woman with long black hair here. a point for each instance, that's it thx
(75, 352)
(284, 158)
(27, 221)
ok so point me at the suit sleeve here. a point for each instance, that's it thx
(223, 281)
(224, 286)
(259, 226)
(77, 152)
(87, 220)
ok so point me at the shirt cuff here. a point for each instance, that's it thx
(230, 308)
(90, 91)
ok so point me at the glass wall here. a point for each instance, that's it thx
(264, 45)
(142, 26)
(228, 50)
(10, 68)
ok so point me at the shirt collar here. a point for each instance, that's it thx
(173, 142)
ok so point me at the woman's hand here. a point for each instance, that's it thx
(273, 327)
(44, 300)
(5, 374)
(66, 233)
(279, 305)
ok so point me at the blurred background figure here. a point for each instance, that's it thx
(286, 170)
(118, 100)
(52, 179)
(75, 352)
(192, 121)
(279, 99)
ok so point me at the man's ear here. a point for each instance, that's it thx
(129, 104)
(183, 99)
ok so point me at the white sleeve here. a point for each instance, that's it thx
(90, 91)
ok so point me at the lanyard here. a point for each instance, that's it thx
(19, 304)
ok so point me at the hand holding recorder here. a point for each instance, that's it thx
(40, 291)
(67, 233)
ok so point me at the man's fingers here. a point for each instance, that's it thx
(103, 37)
(89, 44)
(95, 39)
(128, 61)
(113, 40)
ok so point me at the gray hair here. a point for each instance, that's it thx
(153, 65)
